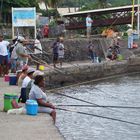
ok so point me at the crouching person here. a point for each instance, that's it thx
(36, 93)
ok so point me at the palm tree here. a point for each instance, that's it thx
(51, 3)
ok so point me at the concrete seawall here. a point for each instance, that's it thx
(86, 71)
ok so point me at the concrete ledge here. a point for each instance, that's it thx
(89, 71)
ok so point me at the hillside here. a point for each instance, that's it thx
(79, 3)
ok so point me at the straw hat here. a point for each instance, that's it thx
(37, 72)
(30, 70)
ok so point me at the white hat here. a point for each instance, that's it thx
(37, 72)
(129, 25)
(20, 38)
(30, 70)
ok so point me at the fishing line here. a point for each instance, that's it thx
(99, 116)
(102, 106)
(87, 102)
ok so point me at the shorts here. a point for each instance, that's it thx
(55, 57)
(13, 63)
(45, 110)
(4, 59)
(88, 29)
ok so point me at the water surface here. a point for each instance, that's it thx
(124, 91)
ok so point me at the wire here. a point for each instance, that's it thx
(99, 116)
(103, 106)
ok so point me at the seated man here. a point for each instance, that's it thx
(25, 82)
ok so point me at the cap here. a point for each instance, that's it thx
(37, 72)
(30, 70)
(20, 38)
(129, 25)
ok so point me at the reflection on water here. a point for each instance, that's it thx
(123, 91)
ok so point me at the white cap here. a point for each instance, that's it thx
(30, 70)
(20, 38)
(129, 25)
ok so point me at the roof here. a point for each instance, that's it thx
(105, 10)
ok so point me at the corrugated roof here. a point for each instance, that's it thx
(99, 10)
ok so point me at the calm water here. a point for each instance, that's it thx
(124, 91)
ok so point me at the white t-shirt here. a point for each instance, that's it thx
(88, 22)
(129, 32)
(25, 82)
(38, 47)
(61, 50)
(37, 93)
(3, 48)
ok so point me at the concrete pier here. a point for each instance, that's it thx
(24, 127)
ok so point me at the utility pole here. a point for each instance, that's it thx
(138, 19)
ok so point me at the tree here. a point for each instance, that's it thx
(7, 4)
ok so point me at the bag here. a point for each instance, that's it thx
(24, 95)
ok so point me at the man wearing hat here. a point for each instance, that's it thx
(130, 36)
(25, 83)
(3, 56)
(21, 52)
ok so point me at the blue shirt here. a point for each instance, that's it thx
(88, 22)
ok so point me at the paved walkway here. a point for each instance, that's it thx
(24, 127)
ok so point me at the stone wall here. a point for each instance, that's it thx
(87, 72)
(76, 49)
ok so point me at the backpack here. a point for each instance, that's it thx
(25, 93)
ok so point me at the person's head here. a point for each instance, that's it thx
(58, 39)
(14, 39)
(1, 37)
(25, 68)
(30, 72)
(90, 42)
(38, 72)
(88, 15)
(22, 40)
(61, 39)
(39, 81)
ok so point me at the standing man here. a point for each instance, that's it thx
(130, 36)
(55, 52)
(46, 31)
(3, 56)
(61, 51)
(22, 56)
(89, 22)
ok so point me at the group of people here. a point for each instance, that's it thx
(113, 51)
(30, 80)
(14, 55)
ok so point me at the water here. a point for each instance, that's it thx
(124, 91)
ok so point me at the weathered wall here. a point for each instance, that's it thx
(71, 75)
(76, 49)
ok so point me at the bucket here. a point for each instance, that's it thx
(6, 78)
(119, 57)
(41, 67)
(12, 80)
(8, 99)
(31, 107)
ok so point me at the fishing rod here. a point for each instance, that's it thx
(45, 63)
(108, 108)
(75, 65)
(102, 106)
(99, 116)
